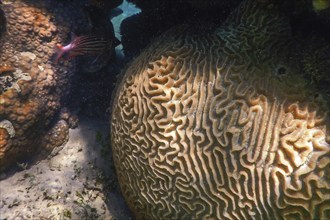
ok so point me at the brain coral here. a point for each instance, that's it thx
(32, 88)
(216, 122)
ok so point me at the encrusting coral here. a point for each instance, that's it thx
(33, 88)
(217, 122)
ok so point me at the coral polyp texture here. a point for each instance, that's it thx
(216, 122)
(32, 87)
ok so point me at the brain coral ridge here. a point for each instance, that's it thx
(216, 123)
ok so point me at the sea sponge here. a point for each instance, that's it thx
(217, 122)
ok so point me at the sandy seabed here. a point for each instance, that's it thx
(78, 182)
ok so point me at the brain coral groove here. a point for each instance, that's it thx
(216, 122)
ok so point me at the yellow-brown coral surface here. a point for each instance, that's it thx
(217, 123)
(31, 86)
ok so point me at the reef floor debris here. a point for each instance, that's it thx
(77, 183)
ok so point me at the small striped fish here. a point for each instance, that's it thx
(83, 45)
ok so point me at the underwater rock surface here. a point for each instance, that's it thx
(32, 88)
(217, 122)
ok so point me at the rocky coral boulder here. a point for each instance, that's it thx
(32, 87)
